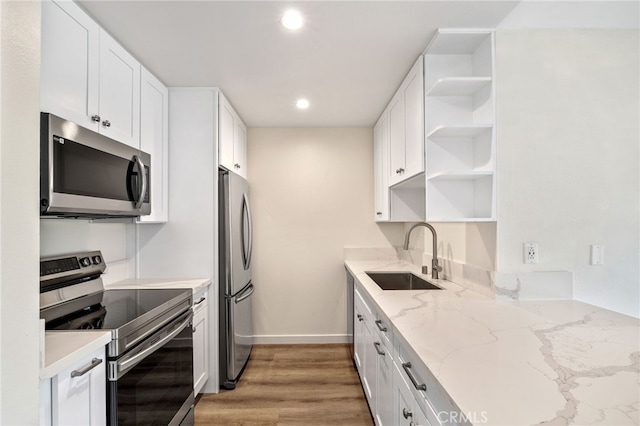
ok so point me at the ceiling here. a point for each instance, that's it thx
(347, 60)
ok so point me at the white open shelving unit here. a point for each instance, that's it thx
(460, 126)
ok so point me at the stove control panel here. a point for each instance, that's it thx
(72, 265)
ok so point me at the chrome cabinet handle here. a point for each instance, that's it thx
(106, 123)
(94, 363)
(406, 366)
(360, 317)
(401, 170)
(397, 171)
(95, 118)
(377, 345)
(380, 327)
(237, 166)
(407, 413)
(202, 299)
(379, 213)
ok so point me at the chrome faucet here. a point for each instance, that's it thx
(435, 268)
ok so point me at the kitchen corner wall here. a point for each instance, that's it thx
(311, 194)
(19, 186)
(568, 158)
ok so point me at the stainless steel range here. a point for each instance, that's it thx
(150, 356)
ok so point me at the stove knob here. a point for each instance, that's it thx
(96, 260)
(85, 261)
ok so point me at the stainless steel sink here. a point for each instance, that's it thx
(401, 281)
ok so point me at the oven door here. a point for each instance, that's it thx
(152, 384)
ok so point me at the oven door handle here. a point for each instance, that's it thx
(122, 366)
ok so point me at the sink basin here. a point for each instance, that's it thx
(401, 281)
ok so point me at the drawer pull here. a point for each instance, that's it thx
(377, 345)
(360, 317)
(380, 327)
(202, 299)
(406, 366)
(94, 363)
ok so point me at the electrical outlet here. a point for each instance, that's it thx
(530, 253)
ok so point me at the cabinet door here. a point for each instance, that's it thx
(44, 403)
(384, 403)
(369, 379)
(240, 148)
(414, 121)
(200, 346)
(381, 168)
(226, 134)
(70, 61)
(154, 129)
(358, 337)
(396, 139)
(81, 400)
(119, 92)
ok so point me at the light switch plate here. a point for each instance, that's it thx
(597, 254)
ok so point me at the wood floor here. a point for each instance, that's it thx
(291, 385)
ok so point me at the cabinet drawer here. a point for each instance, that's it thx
(429, 394)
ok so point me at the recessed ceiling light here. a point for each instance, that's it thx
(302, 103)
(292, 20)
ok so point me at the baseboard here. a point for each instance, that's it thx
(267, 339)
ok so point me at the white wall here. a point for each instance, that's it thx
(19, 189)
(312, 194)
(114, 238)
(568, 140)
(186, 246)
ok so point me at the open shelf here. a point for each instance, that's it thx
(458, 86)
(453, 175)
(458, 198)
(457, 41)
(459, 122)
(462, 131)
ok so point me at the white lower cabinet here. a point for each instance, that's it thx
(200, 340)
(373, 350)
(77, 395)
(399, 388)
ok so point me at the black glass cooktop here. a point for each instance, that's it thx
(110, 309)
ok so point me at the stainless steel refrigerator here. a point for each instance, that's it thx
(236, 288)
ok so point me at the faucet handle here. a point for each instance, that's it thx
(434, 265)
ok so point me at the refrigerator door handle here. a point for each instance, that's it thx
(248, 291)
(246, 219)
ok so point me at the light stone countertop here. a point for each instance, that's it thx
(521, 363)
(145, 283)
(65, 348)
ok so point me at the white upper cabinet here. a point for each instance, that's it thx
(87, 77)
(70, 63)
(406, 127)
(154, 135)
(381, 168)
(119, 92)
(460, 126)
(232, 148)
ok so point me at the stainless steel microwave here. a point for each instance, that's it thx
(86, 174)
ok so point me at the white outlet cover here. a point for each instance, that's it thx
(530, 253)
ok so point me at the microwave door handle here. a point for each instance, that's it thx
(143, 187)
